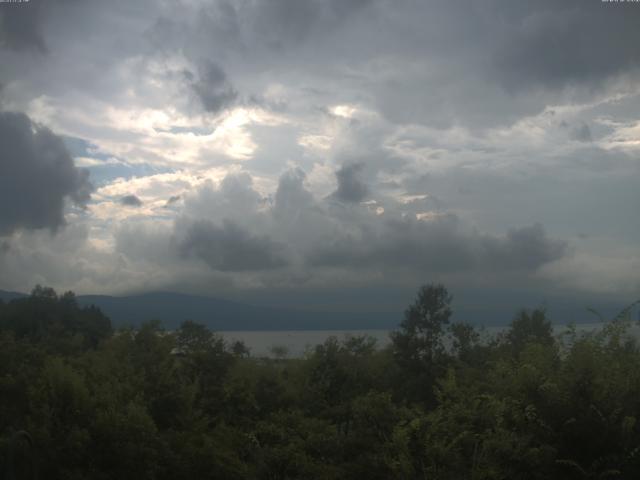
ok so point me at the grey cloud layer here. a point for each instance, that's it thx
(37, 175)
(439, 63)
(230, 248)
(475, 63)
(20, 26)
(553, 44)
(439, 245)
(318, 233)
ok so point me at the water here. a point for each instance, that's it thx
(296, 342)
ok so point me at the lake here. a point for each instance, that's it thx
(297, 342)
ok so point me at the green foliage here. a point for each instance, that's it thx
(529, 327)
(57, 323)
(420, 339)
(418, 346)
(78, 401)
(465, 341)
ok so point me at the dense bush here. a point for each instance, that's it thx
(78, 401)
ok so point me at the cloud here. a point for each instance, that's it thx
(232, 197)
(553, 44)
(173, 199)
(351, 189)
(211, 86)
(523, 248)
(581, 133)
(230, 248)
(131, 201)
(20, 26)
(385, 235)
(291, 197)
(282, 24)
(429, 130)
(37, 175)
(440, 244)
(299, 240)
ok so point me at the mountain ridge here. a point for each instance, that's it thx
(172, 308)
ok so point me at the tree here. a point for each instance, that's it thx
(206, 361)
(55, 320)
(240, 349)
(464, 340)
(419, 340)
(418, 346)
(194, 337)
(528, 327)
(47, 293)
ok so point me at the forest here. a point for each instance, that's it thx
(80, 400)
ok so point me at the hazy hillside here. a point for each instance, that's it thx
(8, 296)
(217, 314)
(220, 314)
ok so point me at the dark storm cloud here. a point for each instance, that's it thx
(477, 63)
(523, 248)
(285, 19)
(351, 187)
(438, 245)
(211, 86)
(21, 26)
(321, 233)
(131, 201)
(230, 248)
(281, 23)
(36, 175)
(496, 60)
(552, 44)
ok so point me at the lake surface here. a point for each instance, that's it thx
(297, 342)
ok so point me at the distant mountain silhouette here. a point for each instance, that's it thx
(8, 296)
(223, 315)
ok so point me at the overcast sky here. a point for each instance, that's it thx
(294, 149)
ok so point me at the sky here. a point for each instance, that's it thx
(330, 152)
